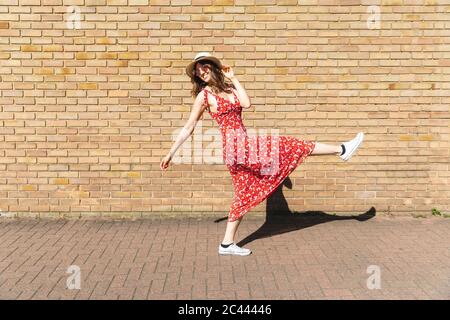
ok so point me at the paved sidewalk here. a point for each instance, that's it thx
(302, 257)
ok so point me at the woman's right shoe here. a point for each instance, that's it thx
(234, 250)
(351, 146)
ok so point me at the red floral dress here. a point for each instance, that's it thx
(257, 164)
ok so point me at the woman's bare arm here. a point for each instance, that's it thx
(242, 95)
(196, 113)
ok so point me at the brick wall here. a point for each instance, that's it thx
(87, 114)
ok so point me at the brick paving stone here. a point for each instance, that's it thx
(177, 259)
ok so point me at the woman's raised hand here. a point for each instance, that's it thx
(228, 72)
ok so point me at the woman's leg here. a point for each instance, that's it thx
(322, 148)
(230, 232)
(228, 246)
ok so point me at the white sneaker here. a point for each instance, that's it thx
(234, 250)
(351, 146)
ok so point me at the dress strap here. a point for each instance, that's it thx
(208, 91)
(205, 100)
(235, 97)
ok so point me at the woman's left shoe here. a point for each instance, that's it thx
(351, 146)
(234, 250)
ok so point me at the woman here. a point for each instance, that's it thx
(252, 184)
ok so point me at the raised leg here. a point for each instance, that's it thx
(322, 148)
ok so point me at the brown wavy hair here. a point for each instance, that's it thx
(218, 83)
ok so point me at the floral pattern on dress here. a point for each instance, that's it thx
(256, 168)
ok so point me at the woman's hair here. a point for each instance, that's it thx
(217, 81)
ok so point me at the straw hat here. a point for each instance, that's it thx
(200, 57)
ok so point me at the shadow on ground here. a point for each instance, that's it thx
(280, 219)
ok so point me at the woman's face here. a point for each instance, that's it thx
(203, 72)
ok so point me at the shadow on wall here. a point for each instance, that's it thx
(279, 219)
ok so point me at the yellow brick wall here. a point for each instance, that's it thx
(87, 114)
